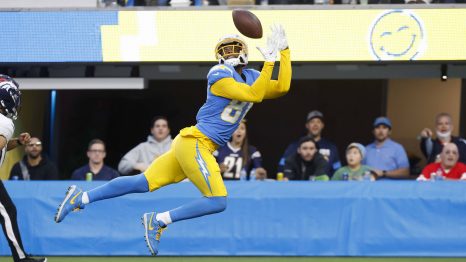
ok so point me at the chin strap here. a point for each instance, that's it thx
(235, 61)
(232, 61)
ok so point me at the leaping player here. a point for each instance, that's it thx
(232, 89)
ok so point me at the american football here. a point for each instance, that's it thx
(247, 23)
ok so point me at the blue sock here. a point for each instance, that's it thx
(200, 207)
(119, 186)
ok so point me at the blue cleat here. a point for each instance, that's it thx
(72, 202)
(153, 231)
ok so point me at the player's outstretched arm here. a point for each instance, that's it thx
(280, 87)
(229, 88)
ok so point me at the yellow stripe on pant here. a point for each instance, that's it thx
(190, 156)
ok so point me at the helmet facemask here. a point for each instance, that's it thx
(231, 50)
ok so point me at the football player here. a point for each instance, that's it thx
(232, 89)
(10, 102)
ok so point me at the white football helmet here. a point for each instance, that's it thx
(232, 50)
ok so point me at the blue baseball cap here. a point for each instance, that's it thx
(382, 121)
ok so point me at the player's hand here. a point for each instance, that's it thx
(270, 52)
(24, 138)
(278, 32)
(426, 133)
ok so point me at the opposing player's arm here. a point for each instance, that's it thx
(280, 87)
(229, 88)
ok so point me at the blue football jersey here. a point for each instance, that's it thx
(219, 117)
(233, 159)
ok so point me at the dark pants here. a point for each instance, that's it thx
(10, 224)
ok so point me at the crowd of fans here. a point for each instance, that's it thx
(36, 166)
(311, 157)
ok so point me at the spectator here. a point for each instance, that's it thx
(355, 153)
(138, 159)
(238, 155)
(315, 125)
(306, 163)
(431, 148)
(96, 154)
(387, 158)
(34, 165)
(448, 167)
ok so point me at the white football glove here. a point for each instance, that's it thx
(270, 52)
(278, 33)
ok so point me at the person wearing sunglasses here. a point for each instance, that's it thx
(34, 165)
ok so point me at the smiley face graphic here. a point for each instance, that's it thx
(397, 35)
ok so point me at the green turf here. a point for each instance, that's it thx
(245, 259)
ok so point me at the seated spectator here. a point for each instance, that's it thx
(96, 167)
(447, 168)
(238, 155)
(34, 165)
(355, 170)
(315, 125)
(431, 148)
(138, 159)
(387, 158)
(306, 163)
